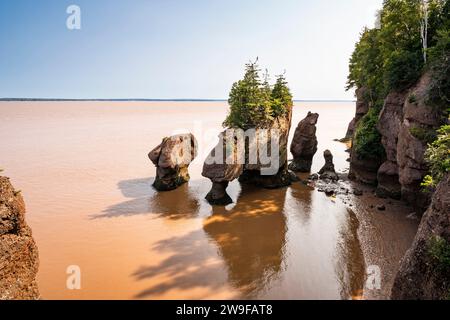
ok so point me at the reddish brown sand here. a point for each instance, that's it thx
(84, 173)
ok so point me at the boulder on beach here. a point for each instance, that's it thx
(172, 159)
(328, 172)
(304, 144)
(19, 261)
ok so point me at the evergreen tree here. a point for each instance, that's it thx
(254, 104)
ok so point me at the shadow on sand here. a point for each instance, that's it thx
(248, 252)
(178, 204)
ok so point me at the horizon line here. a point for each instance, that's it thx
(157, 100)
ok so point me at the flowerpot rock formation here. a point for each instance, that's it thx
(304, 144)
(19, 260)
(172, 159)
(233, 158)
(222, 168)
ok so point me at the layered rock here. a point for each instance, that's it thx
(248, 156)
(19, 261)
(224, 164)
(328, 172)
(389, 125)
(425, 271)
(406, 124)
(419, 119)
(260, 174)
(172, 159)
(304, 144)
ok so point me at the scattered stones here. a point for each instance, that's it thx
(172, 159)
(304, 144)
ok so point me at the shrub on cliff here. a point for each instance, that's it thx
(439, 250)
(438, 158)
(255, 104)
(392, 57)
(367, 138)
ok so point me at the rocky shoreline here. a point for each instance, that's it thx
(404, 123)
(19, 258)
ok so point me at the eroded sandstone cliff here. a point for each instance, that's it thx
(406, 124)
(19, 260)
(425, 270)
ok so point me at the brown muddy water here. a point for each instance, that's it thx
(84, 173)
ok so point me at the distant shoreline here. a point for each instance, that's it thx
(140, 100)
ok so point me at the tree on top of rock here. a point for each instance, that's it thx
(253, 103)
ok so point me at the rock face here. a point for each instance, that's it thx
(362, 108)
(172, 159)
(19, 261)
(222, 168)
(243, 159)
(389, 125)
(304, 144)
(405, 122)
(418, 120)
(362, 170)
(328, 172)
(254, 173)
(422, 274)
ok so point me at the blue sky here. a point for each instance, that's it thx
(175, 48)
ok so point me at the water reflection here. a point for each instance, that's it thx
(252, 246)
(251, 238)
(350, 265)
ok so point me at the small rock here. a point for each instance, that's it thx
(381, 207)
(314, 177)
(328, 171)
(358, 192)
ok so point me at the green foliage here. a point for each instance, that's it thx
(438, 157)
(439, 250)
(390, 58)
(402, 69)
(439, 92)
(423, 134)
(281, 97)
(367, 138)
(255, 104)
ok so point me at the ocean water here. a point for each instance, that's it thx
(83, 170)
